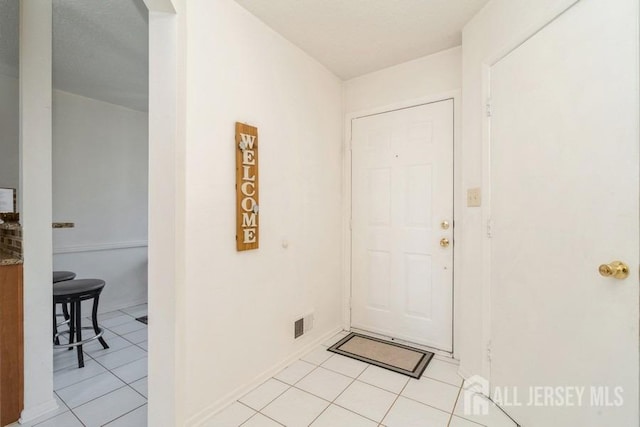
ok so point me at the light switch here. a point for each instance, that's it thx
(473, 197)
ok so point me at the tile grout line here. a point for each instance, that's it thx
(364, 382)
(134, 389)
(122, 415)
(107, 369)
(121, 349)
(258, 412)
(333, 402)
(53, 416)
(77, 418)
(316, 367)
(97, 397)
(353, 380)
(431, 406)
(76, 383)
(83, 379)
(272, 400)
(454, 406)
(372, 385)
(113, 373)
(380, 388)
(305, 376)
(394, 402)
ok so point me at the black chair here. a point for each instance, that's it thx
(73, 292)
(61, 276)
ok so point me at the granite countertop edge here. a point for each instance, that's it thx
(9, 259)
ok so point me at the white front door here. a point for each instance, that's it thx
(402, 194)
(564, 200)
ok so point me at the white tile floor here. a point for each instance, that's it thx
(323, 389)
(111, 389)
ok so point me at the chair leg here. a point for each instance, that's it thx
(94, 319)
(56, 340)
(78, 319)
(65, 311)
(72, 325)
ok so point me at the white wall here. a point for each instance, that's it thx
(240, 306)
(9, 137)
(488, 34)
(100, 169)
(100, 178)
(426, 76)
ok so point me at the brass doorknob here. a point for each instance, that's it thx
(615, 269)
(444, 242)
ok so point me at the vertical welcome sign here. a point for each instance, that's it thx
(247, 222)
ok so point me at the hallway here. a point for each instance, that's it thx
(323, 389)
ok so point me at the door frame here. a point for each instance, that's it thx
(458, 199)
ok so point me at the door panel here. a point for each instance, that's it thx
(564, 171)
(402, 178)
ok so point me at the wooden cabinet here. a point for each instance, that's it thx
(11, 344)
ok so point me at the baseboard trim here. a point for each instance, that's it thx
(203, 416)
(463, 373)
(29, 414)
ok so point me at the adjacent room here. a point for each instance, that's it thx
(374, 213)
(99, 161)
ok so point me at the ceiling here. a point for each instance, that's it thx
(355, 37)
(100, 48)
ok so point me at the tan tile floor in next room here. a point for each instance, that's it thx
(111, 389)
(323, 389)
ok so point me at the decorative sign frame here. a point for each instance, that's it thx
(247, 207)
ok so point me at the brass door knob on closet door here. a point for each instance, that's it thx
(444, 242)
(615, 269)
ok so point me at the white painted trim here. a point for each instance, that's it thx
(160, 6)
(545, 19)
(458, 196)
(490, 60)
(35, 88)
(485, 217)
(100, 247)
(166, 254)
(442, 96)
(30, 414)
(207, 413)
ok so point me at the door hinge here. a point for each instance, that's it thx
(490, 228)
(488, 107)
(350, 223)
(489, 350)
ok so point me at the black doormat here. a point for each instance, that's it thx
(395, 357)
(142, 319)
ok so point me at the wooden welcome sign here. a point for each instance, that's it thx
(247, 222)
